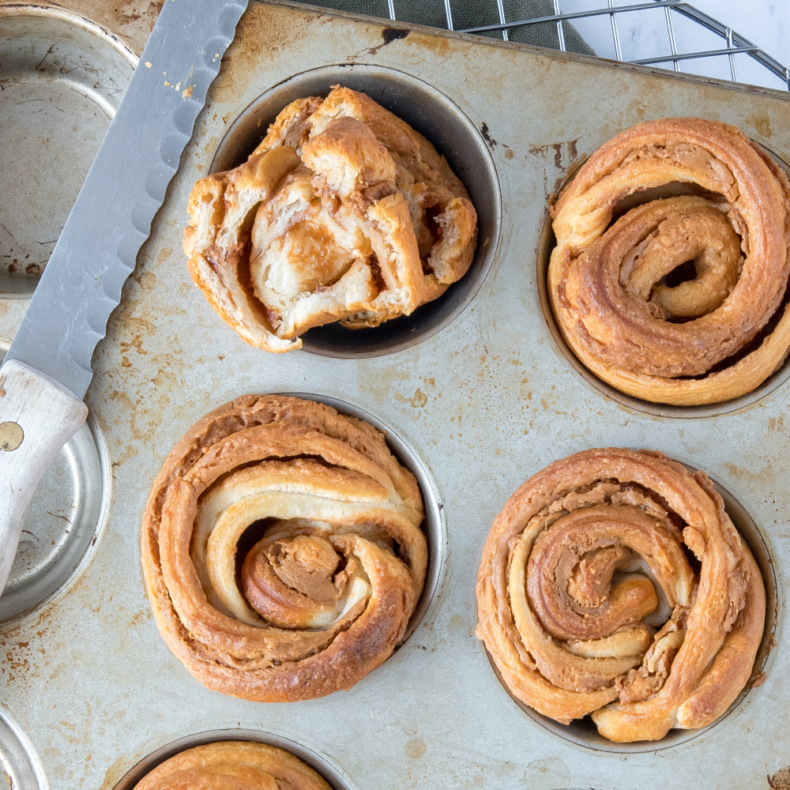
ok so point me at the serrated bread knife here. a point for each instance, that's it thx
(48, 368)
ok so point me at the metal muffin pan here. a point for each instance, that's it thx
(20, 766)
(484, 403)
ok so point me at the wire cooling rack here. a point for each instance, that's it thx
(665, 33)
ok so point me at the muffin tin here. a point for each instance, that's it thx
(476, 399)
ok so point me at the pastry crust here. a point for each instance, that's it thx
(233, 765)
(569, 641)
(707, 340)
(342, 213)
(282, 549)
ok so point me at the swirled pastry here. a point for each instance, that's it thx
(233, 765)
(282, 549)
(342, 213)
(613, 583)
(622, 299)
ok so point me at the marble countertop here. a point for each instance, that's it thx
(766, 23)
(642, 34)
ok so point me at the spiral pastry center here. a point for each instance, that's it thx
(297, 580)
(681, 230)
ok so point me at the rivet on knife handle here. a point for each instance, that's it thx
(37, 417)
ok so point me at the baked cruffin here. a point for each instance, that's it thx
(628, 301)
(232, 765)
(576, 627)
(282, 549)
(342, 213)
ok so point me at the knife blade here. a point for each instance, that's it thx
(47, 370)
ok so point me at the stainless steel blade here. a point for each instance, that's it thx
(125, 187)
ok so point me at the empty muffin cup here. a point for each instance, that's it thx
(63, 78)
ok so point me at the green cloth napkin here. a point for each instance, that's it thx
(472, 13)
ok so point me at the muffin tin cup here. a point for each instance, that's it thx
(583, 732)
(473, 412)
(63, 77)
(332, 773)
(546, 244)
(20, 766)
(453, 135)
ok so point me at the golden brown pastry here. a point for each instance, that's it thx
(233, 765)
(576, 627)
(342, 213)
(282, 549)
(707, 339)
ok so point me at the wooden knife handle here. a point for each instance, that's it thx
(37, 417)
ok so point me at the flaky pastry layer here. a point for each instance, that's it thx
(282, 549)
(708, 339)
(342, 213)
(573, 621)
